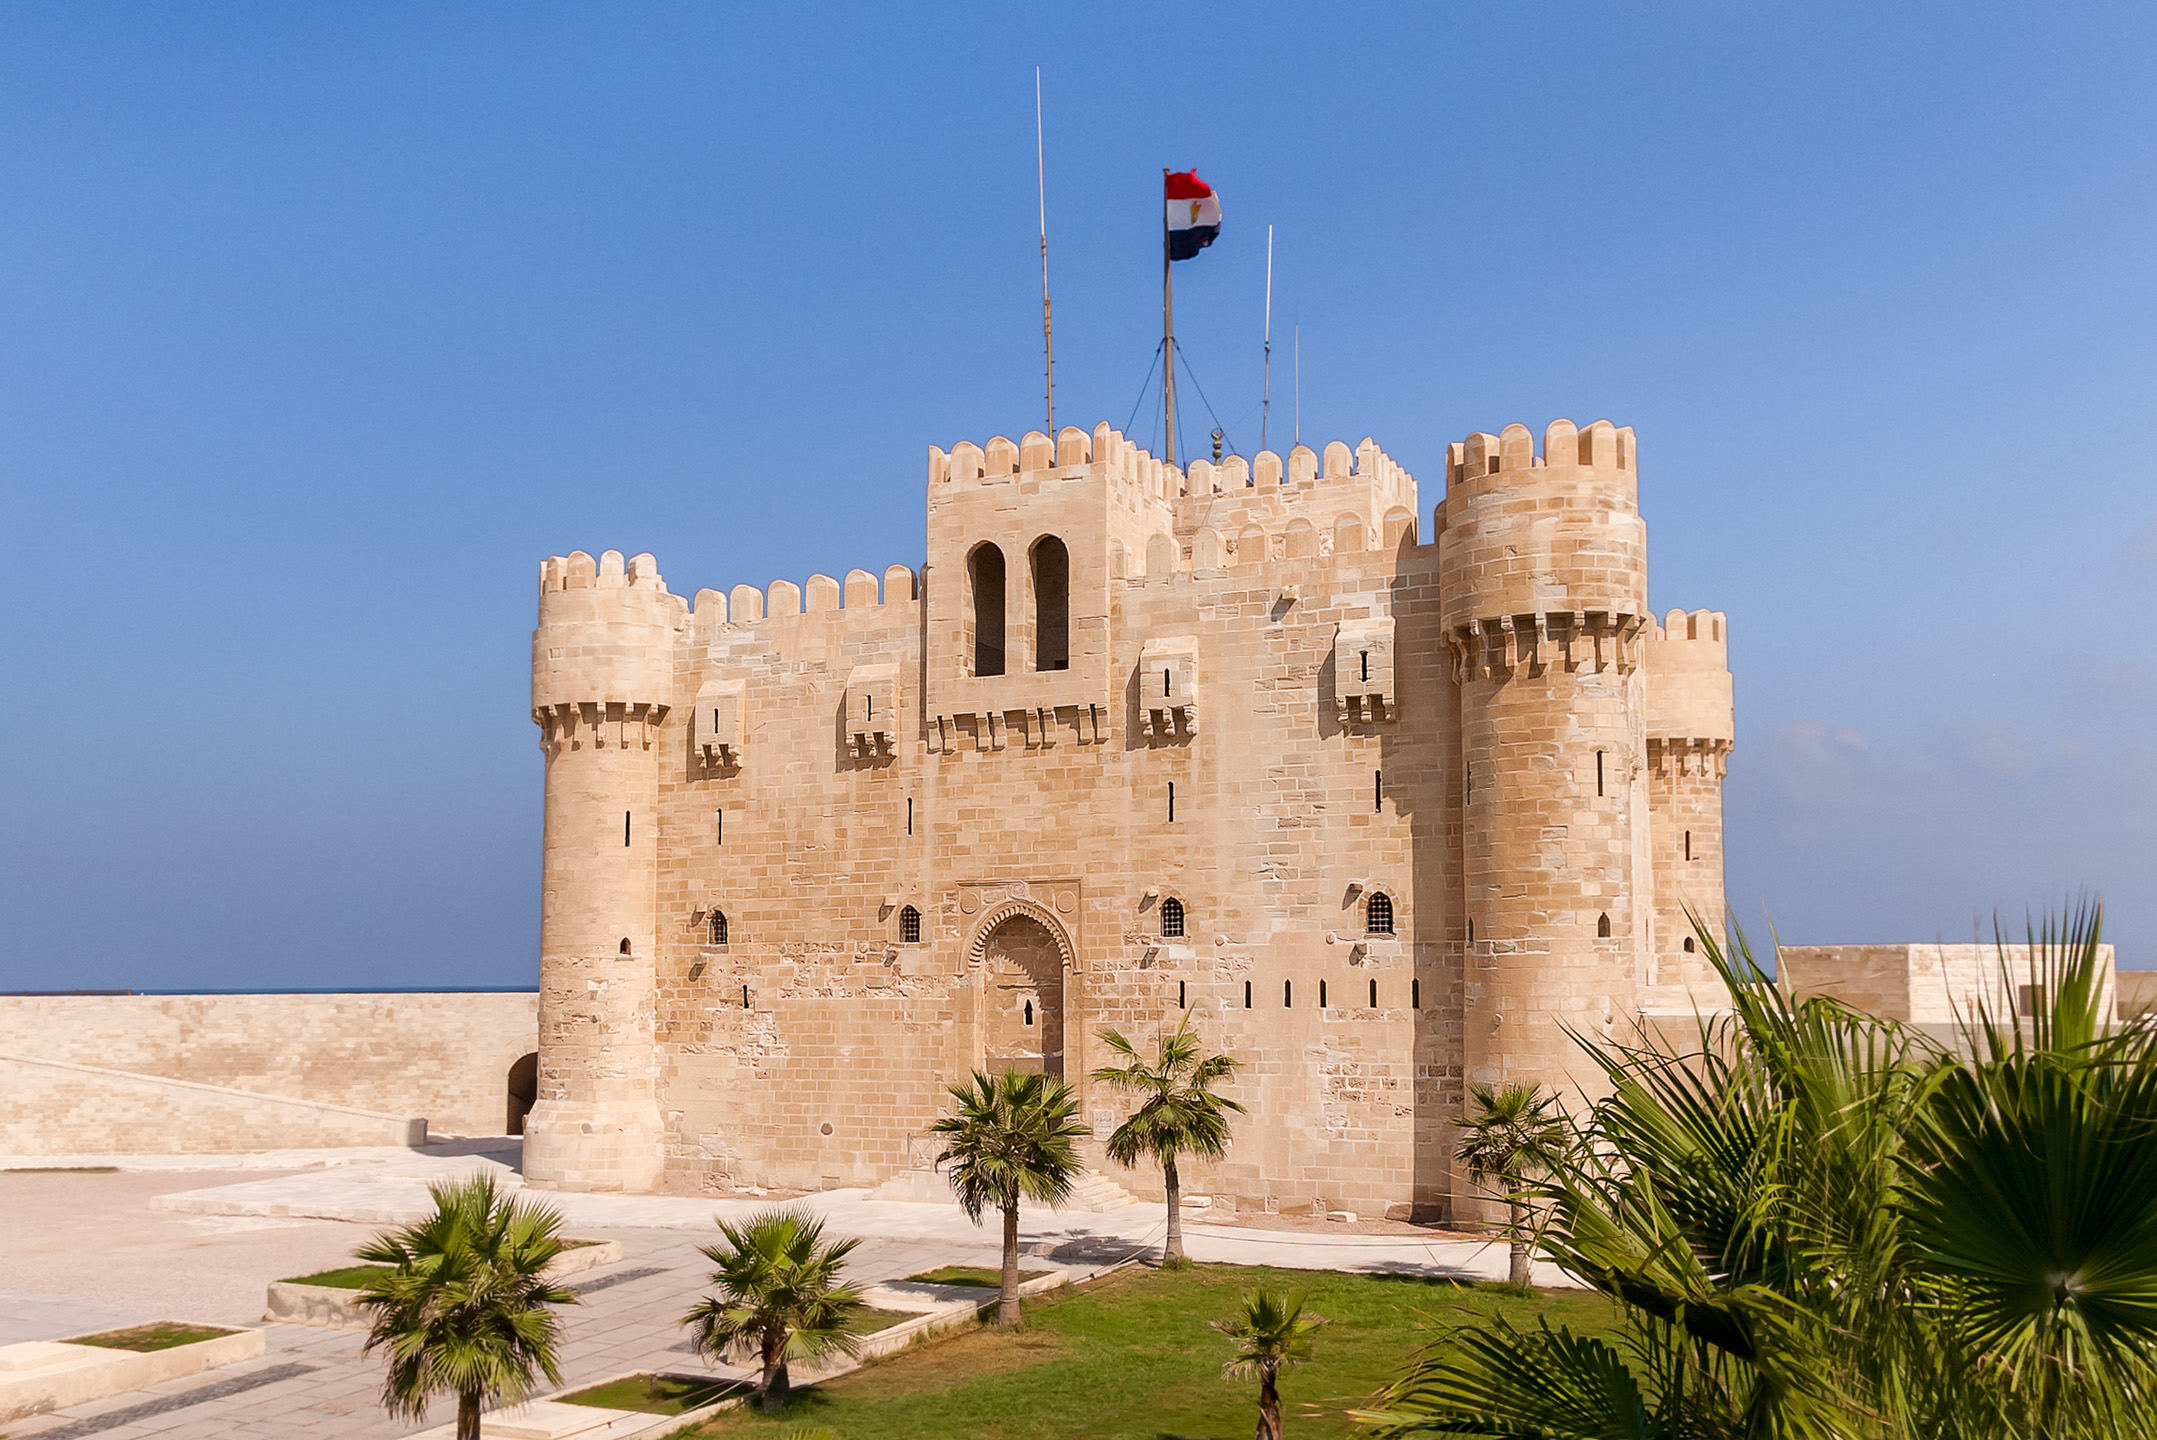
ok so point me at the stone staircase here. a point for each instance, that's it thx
(1096, 1191)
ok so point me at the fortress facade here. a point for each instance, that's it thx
(1386, 809)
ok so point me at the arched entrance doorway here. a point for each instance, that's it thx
(1023, 999)
(523, 1090)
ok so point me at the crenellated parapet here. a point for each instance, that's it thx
(602, 655)
(1690, 714)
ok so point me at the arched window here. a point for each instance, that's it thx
(985, 577)
(1052, 604)
(1378, 914)
(910, 926)
(1172, 918)
(1602, 926)
(1688, 944)
(625, 944)
(718, 924)
(1029, 1012)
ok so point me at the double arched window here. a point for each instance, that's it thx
(1172, 918)
(909, 926)
(718, 927)
(1378, 914)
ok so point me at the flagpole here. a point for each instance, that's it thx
(1265, 403)
(1048, 342)
(1168, 326)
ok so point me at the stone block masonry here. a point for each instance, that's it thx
(1377, 804)
(445, 1058)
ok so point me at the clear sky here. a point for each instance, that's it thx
(320, 325)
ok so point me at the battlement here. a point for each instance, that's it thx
(1707, 628)
(1689, 695)
(1072, 453)
(746, 605)
(1601, 446)
(577, 571)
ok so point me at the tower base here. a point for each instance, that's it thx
(572, 1146)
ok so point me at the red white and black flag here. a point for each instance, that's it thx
(1194, 214)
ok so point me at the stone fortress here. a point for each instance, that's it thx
(1385, 809)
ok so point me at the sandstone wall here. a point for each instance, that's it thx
(55, 1108)
(442, 1057)
(1931, 985)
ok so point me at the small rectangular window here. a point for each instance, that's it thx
(1246, 994)
(1378, 790)
(1688, 844)
(1183, 999)
(1366, 658)
(1321, 994)
(1288, 993)
(1171, 802)
(1598, 772)
(909, 814)
(719, 827)
(625, 829)
(1415, 994)
(1164, 684)
(744, 997)
(1374, 994)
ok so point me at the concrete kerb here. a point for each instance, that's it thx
(337, 1307)
(41, 1375)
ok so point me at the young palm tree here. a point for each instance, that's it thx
(1011, 1138)
(1178, 1112)
(1510, 1136)
(464, 1310)
(1814, 1222)
(779, 1291)
(1270, 1331)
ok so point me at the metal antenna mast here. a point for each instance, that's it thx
(1265, 404)
(1048, 342)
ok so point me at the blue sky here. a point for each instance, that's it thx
(319, 325)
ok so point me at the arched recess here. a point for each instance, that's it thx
(1160, 556)
(1022, 955)
(523, 1090)
(1051, 564)
(985, 608)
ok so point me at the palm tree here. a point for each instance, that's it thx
(464, 1309)
(1270, 1331)
(1815, 1222)
(1178, 1114)
(1011, 1138)
(1510, 1136)
(780, 1291)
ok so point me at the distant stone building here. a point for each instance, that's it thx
(1385, 808)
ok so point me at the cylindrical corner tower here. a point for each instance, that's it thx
(1690, 730)
(1543, 590)
(601, 681)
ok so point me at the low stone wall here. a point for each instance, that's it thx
(52, 1107)
(445, 1057)
(1920, 984)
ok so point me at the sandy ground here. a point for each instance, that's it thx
(94, 1238)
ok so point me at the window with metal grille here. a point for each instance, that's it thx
(718, 924)
(910, 926)
(1378, 915)
(1172, 918)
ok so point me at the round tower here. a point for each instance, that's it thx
(601, 677)
(1543, 593)
(1690, 732)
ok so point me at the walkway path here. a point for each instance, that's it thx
(317, 1383)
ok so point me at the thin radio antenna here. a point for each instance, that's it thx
(1265, 404)
(1299, 382)
(1048, 342)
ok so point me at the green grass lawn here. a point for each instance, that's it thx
(969, 1275)
(160, 1335)
(1130, 1357)
(653, 1394)
(351, 1277)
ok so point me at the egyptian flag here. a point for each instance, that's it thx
(1194, 214)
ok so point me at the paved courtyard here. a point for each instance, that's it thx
(88, 1250)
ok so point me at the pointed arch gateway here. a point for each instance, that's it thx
(1021, 955)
